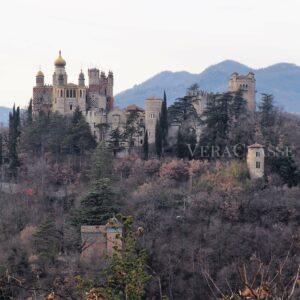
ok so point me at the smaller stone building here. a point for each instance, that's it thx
(256, 161)
(100, 240)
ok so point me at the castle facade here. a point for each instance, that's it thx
(95, 99)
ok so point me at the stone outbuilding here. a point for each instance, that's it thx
(100, 240)
(256, 161)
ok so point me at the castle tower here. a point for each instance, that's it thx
(110, 90)
(256, 161)
(247, 84)
(60, 77)
(81, 79)
(94, 78)
(60, 80)
(152, 111)
(40, 79)
(110, 84)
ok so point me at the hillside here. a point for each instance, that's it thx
(282, 80)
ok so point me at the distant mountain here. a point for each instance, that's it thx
(4, 113)
(282, 80)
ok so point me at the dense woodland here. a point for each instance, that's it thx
(195, 227)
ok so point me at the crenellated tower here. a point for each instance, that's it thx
(246, 83)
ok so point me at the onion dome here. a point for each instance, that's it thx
(60, 62)
(40, 74)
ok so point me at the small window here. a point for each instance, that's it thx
(61, 93)
(71, 106)
(257, 154)
(257, 165)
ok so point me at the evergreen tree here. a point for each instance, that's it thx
(268, 114)
(146, 146)
(217, 120)
(285, 166)
(239, 105)
(132, 128)
(29, 112)
(186, 142)
(99, 204)
(102, 166)
(164, 121)
(158, 138)
(13, 139)
(182, 110)
(116, 139)
(79, 137)
(47, 241)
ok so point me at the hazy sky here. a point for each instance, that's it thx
(139, 38)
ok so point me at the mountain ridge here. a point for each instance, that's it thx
(281, 79)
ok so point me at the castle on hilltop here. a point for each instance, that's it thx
(96, 101)
(64, 97)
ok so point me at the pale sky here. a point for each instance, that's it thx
(138, 38)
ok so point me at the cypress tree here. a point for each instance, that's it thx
(29, 112)
(164, 121)
(13, 137)
(158, 138)
(146, 146)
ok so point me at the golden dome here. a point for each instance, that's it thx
(40, 74)
(60, 62)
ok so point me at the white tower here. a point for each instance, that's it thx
(256, 161)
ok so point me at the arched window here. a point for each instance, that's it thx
(80, 93)
(61, 93)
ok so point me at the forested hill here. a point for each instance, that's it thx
(282, 80)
